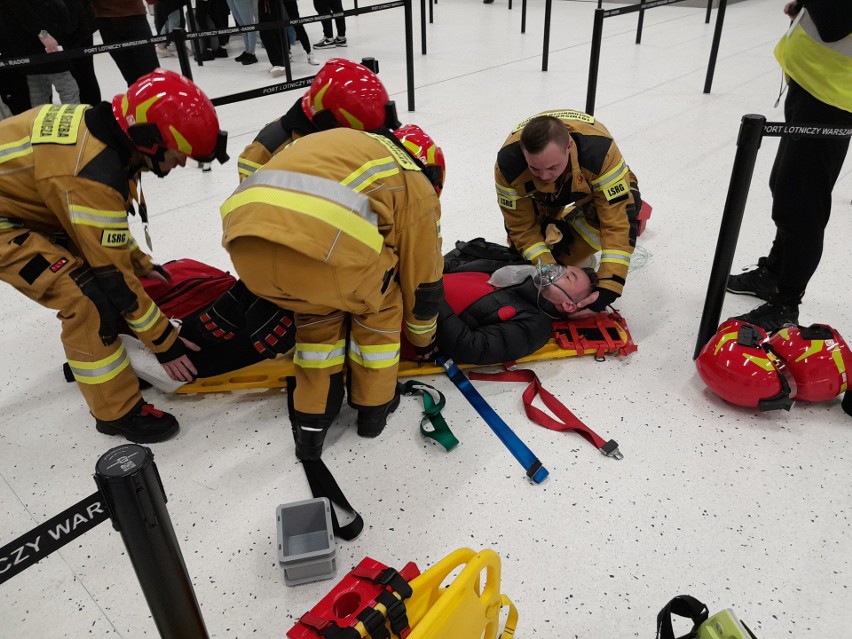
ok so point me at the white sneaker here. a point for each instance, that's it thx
(277, 72)
(312, 60)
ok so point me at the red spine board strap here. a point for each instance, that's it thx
(603, 333)
(566, 419)
(353, 600)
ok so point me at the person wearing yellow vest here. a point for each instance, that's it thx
(566, 194)
(343, 228)
(816, 56)
(65, 191)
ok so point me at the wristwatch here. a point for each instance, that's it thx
(43, 34)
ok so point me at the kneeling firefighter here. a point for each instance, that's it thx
(343, 227)
(67, 179)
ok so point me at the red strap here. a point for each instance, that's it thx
(569, 420)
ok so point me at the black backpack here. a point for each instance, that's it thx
(480, 256)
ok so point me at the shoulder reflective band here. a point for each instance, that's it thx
(535, 469)
(50, 536)
(433, 403)
(569, 421)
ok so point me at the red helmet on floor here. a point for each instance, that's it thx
(347, 94)
(736, 367)
(818, 359)
(164, 111)
(418, 143)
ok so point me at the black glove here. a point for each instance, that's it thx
(227, 315)
(426, 353)
(162, 271)
(271, 328)
(605, 298)
(107, 313)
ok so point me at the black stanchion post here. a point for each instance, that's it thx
(409, 52)
(423, 27)
(640, 23)
(134, 495)
(714, 50)
(548, 4)
(594, 61)
(179, 36)
(431, 6)
(748, 143)
(278, 15)
(709, 10)
(195, 43)
(523, 16)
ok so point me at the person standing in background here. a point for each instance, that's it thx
(120, 21)
(244, 14)
(816, 56)
(292, 8)
(324, 7)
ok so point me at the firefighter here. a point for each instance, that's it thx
(343, 227)
(566, 193)
(343, 94)
(67, 174)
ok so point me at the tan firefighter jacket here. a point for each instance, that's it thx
(58, 179)
(592, 198)
(358, 202)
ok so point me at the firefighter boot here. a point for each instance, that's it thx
(309, 429)
(144, 424)
(372, 419)
(309, 434)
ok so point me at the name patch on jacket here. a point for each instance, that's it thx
(617, 190)
(115, 238)
(562, 114)
(58, 124)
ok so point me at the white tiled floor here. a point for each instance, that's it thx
(740, 509)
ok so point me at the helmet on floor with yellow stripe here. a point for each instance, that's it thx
(163, 111)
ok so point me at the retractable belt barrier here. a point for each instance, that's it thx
(47, 538)
(641, 7)
(130, 494)
(180, 36)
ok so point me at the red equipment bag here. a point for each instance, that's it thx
(194, 287)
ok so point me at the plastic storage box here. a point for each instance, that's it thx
(306, 547)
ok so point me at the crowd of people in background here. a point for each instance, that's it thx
(40, 27)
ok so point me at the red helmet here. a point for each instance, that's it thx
(418, 143)
(736, 367)
(165, 111)
(818, 359)
(347, 94)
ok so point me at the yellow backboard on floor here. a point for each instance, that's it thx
(603, 334)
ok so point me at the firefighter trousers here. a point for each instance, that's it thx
(41, 270)
(334, 327)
